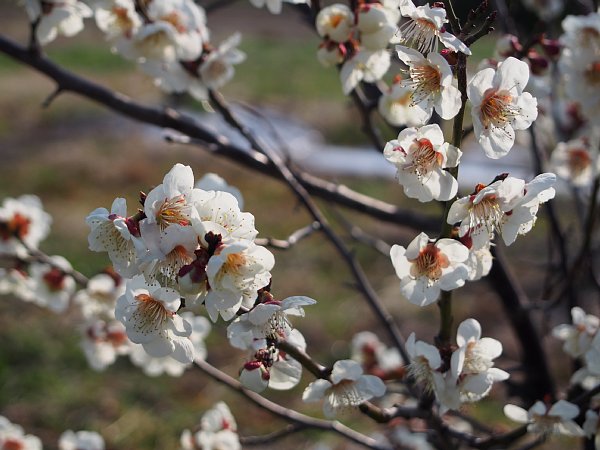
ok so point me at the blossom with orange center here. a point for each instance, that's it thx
(431, 82)
(425, 26)
(421, 155)
(500, 106)
(335, 22)
(425, 268)
(149, 313)
(576, 161)
(12, 437)
(23, 224)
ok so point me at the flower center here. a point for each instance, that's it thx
(336, 19)
(215, 69)
(122, 20)
(476, 361)
(578, 160)
(235, 262)
(497, 109)
(420, 34)
(592, 73)
(150, 314)
(54, 279)
(344, 394)
(486, 213)
(13, 444)
(424, 80)
(430, 263)
(17, 226)
(424, 158)
(173, 211)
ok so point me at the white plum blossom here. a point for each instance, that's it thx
(266, 320)
(479, 263)
(53, 286)
(102, 341)
(99, 297)
(373, 355)
(235, 273)
(421, 155)
(585, 378)
(331, 54)
(431, 83)
(335, 22)
(80, 440)
(376, 26)
(17, 282)
(576, 162)
(395, 107)
(366, 65)
(508, 206)
(545, 419)
(347, 387)
(222, 208)
(119, 20)
(23, 224)
(217, 67)
(214, 182)
(176, 31)
(155, 366)
(12, 436)
(64, 17)
(217, 431)
(578, 336)
(471, 365)
(115, 233)
(425, 268)
(425, 27)
(285, 373)
(425, 360)
(499, 106)
(274, 6)
(149, 313)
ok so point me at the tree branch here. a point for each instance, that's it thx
(218, 144)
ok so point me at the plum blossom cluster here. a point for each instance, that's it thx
(462, 374)
(12, 437)
(217, 430)
(169, 39)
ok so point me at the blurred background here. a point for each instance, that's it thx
(77, 156)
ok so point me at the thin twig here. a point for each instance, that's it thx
(219, 144)
(293, 239)
(288, 414)
(272, 437)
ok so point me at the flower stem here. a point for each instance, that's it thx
(445, 303)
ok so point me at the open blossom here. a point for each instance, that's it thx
(119, 20)
(431, 83)
(576, 161)
(23, 223)
(213, 182)
(115, 233)
(13, 437)
(218, 430)
(266, 320)
(80, 440)
(53, 286)
(421, 155)
(99, 297)
(103, 341)
(500, 106)
(376, 25)
(347, 388)
(374, 356)
(508, 206)
(425, 268)
(425, 27)
(335, 22)
(56, 17)
(366, 65)
(542, 419)
(479, 263)
(578, 336)
(395, 105)
(149, 313)
(235, 273)
(472, 369)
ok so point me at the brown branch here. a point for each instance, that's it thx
(293, 239)
(272, 437)
(220, 145)
(288, 414)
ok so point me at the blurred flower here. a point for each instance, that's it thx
(218, 431)
(557, 419)
(56, 17)
(13, 437)
(80, 440)
(23, 224)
